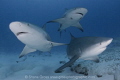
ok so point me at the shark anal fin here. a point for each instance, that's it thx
(69, 63)
(78, 26)
(26, 50)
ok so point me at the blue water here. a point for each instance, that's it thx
(102, 19)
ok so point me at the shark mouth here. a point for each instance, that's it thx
(80, 13)
(19, 33)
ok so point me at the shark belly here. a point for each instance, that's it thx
(93, 52)
(69, 22)
(34, 41)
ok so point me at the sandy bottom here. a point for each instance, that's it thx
(42, 67)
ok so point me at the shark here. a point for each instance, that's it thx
(86, 48)
(71, 18)
(34, 37)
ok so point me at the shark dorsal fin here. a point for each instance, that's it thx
(44, 27)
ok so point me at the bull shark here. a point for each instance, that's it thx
(86, 48)
(34, 37)
(71, 18)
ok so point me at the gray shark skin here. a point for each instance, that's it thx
(71, 18)
(87, 48)
(34, 37)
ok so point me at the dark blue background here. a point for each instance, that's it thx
(102, 19)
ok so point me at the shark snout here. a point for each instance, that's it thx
(17, 28)
(14, 26)
(81, 11)
(107, 41)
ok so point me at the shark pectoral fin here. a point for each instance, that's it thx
(78, 26)
(69, 63)
(94, 58)
(60, 20)
(26, 50)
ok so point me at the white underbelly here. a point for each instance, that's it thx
(93, 52)
(35, 41)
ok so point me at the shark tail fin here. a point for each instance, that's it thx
(57, 44)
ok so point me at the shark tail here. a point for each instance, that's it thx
(60, 20)
(57, 44)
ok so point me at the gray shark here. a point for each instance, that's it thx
(87, 48)
(71, 18)
(35, 38)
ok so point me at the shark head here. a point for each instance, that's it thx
(96, 46)
(22, 28)
(76, 13)
(105, 41)
(18, 28)
(81, 11)
(88, 46)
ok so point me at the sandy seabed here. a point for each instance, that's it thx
(42, 67)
